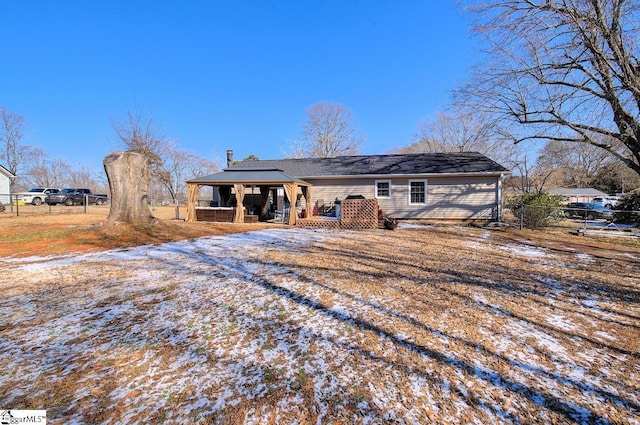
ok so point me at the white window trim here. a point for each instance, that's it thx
(426, 185)
(376, 188)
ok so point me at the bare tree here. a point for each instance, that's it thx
(199, 166)
(329, 131)
(139, 133)
(168, 165)
(563, 70)
(456, 131)
(615, 177)
(297, 149)
(44, 171)
(462, 130)
(82, 176)
(177, 167)
(13, 153)
(529, 176)
(577, 165)
(170, 172)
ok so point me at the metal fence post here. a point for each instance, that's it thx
(521, 216)
(17, 209)
(86, 202)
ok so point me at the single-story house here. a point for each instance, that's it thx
(5, 185)
(439, 186)
(577, 194)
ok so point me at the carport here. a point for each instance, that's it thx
(237, 180)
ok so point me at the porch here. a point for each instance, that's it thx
(230, 198)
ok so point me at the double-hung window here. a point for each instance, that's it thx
(383, 188)
(417, 192)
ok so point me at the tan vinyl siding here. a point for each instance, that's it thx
(329, 190)
(446, 198)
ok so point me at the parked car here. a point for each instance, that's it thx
(36, 195)
(71, 196)
(587, 210)
(607, 201)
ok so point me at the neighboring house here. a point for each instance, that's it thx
(5, 184)
(577, 195)
(441, 186)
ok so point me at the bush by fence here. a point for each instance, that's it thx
(536, 210)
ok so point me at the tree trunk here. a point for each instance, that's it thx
(128, 175)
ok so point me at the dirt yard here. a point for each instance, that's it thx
(424, 324)
(36, 232)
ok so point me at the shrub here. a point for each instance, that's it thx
(540, 209)
(628, 208)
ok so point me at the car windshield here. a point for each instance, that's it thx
(35, 189)
(67, 190)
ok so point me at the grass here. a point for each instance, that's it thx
(434, 324)
(36, 235)
(37, 232)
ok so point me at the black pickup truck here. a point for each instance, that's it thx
(75, 197)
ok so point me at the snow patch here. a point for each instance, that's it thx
(525, 250)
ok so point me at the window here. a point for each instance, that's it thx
(417, 192)
(383, 189)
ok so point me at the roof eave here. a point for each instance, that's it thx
(6, 172)
(246, 183)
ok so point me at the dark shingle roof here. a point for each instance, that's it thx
(246, 175)
(406, 164)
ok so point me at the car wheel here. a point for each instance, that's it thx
(590, 216)
(99, 202)
(68, 202)
(608, 206)
(36, 201)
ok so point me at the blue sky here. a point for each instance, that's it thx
(223, 75)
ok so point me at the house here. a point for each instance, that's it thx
(439, 186)
(577, 195)
(5, 185)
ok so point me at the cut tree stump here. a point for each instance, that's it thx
(128, 175)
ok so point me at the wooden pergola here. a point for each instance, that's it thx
(238, 179)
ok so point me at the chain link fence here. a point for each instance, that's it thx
(573, 219)
(18, 208)
(578, 220)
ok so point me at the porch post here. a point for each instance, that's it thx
(239, 214)
(192, 200)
